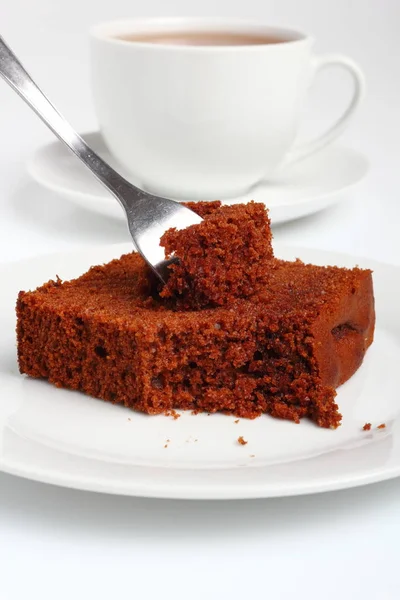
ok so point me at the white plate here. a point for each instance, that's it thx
(305, 188)
(69, 439)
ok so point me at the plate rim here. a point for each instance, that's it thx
(169, 492)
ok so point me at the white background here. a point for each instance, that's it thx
(57, 543)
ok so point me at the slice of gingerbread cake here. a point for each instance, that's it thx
(236, 330)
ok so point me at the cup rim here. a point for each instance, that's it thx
(109, 30)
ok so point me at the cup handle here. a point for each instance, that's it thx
(321, 62)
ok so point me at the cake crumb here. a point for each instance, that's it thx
(367, 427)
(237, 421)
(196, 440)
(129, 419)
(381, 426)
(165, 445)
(241, 440)
(252, 455)
(172, 413)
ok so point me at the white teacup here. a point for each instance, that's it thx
(200, 108)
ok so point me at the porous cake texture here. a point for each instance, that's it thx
(237, 330)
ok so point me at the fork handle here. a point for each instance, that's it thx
(17, 77)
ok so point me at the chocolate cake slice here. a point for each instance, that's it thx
(281, 350)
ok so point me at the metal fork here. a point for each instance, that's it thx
(148, 216)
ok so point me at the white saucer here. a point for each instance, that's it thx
(305, 188)
(70, 439)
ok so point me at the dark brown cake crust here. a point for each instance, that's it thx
(281, 351)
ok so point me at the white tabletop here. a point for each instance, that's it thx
(59, 543)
